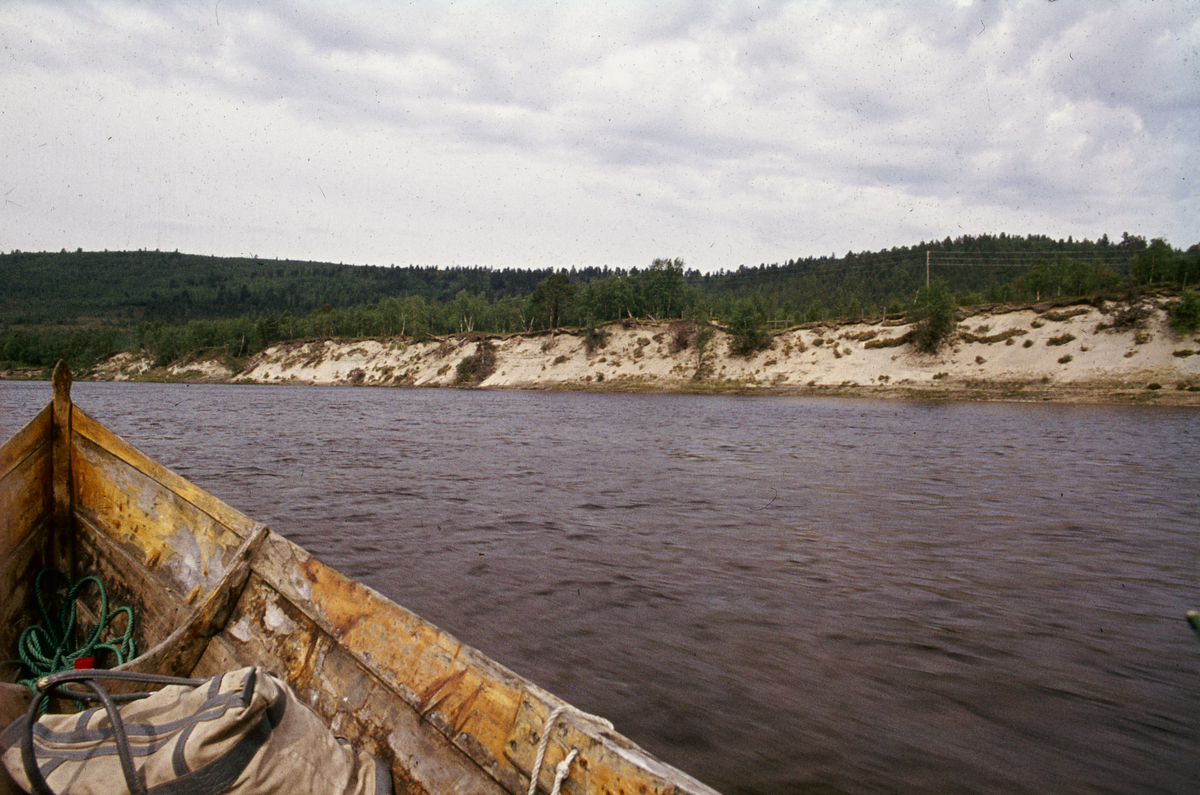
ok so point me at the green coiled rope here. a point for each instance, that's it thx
(46, 648)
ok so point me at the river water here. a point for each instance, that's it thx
(777, 595)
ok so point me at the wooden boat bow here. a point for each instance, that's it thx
(215, 590)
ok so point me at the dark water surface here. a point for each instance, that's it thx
(777, 595)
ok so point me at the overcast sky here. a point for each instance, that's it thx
(593, 133)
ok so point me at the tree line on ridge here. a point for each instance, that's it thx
(84, 306)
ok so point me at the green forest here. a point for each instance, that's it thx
(83, 306)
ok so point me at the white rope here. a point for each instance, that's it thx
(560, 772)
(565, 765)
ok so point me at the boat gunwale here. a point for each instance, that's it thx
(27, 441)
(87, 427)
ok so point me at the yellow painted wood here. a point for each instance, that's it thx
(178, 653)
(171, 537)
(484, 710)
(84, 427)
(25, 509)
(268, 630)
(25, 503)
(33, 436)
(158, 611)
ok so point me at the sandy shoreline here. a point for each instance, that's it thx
(1065, 353)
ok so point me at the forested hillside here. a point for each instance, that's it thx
(83, 306)
(122, 286)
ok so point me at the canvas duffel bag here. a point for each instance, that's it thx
(242, 732)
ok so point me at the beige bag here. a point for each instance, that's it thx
(241, 732)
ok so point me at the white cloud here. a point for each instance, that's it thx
(585, 133)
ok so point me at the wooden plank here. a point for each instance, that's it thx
(87, 428)
(179, 652)
(469, 699)
(267, 629)
(24, 498)
(24, 442)
(60, 439)
(18, 569)
(487, 712)
(25, 508)
(170, 636)
(169, 535)
(607, 763)
(157, 609)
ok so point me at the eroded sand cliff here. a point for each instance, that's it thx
(1077, 352)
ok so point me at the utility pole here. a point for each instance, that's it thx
(926, 269)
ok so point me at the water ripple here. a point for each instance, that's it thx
(777, 595)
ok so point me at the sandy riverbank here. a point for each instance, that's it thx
(1076, 353)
